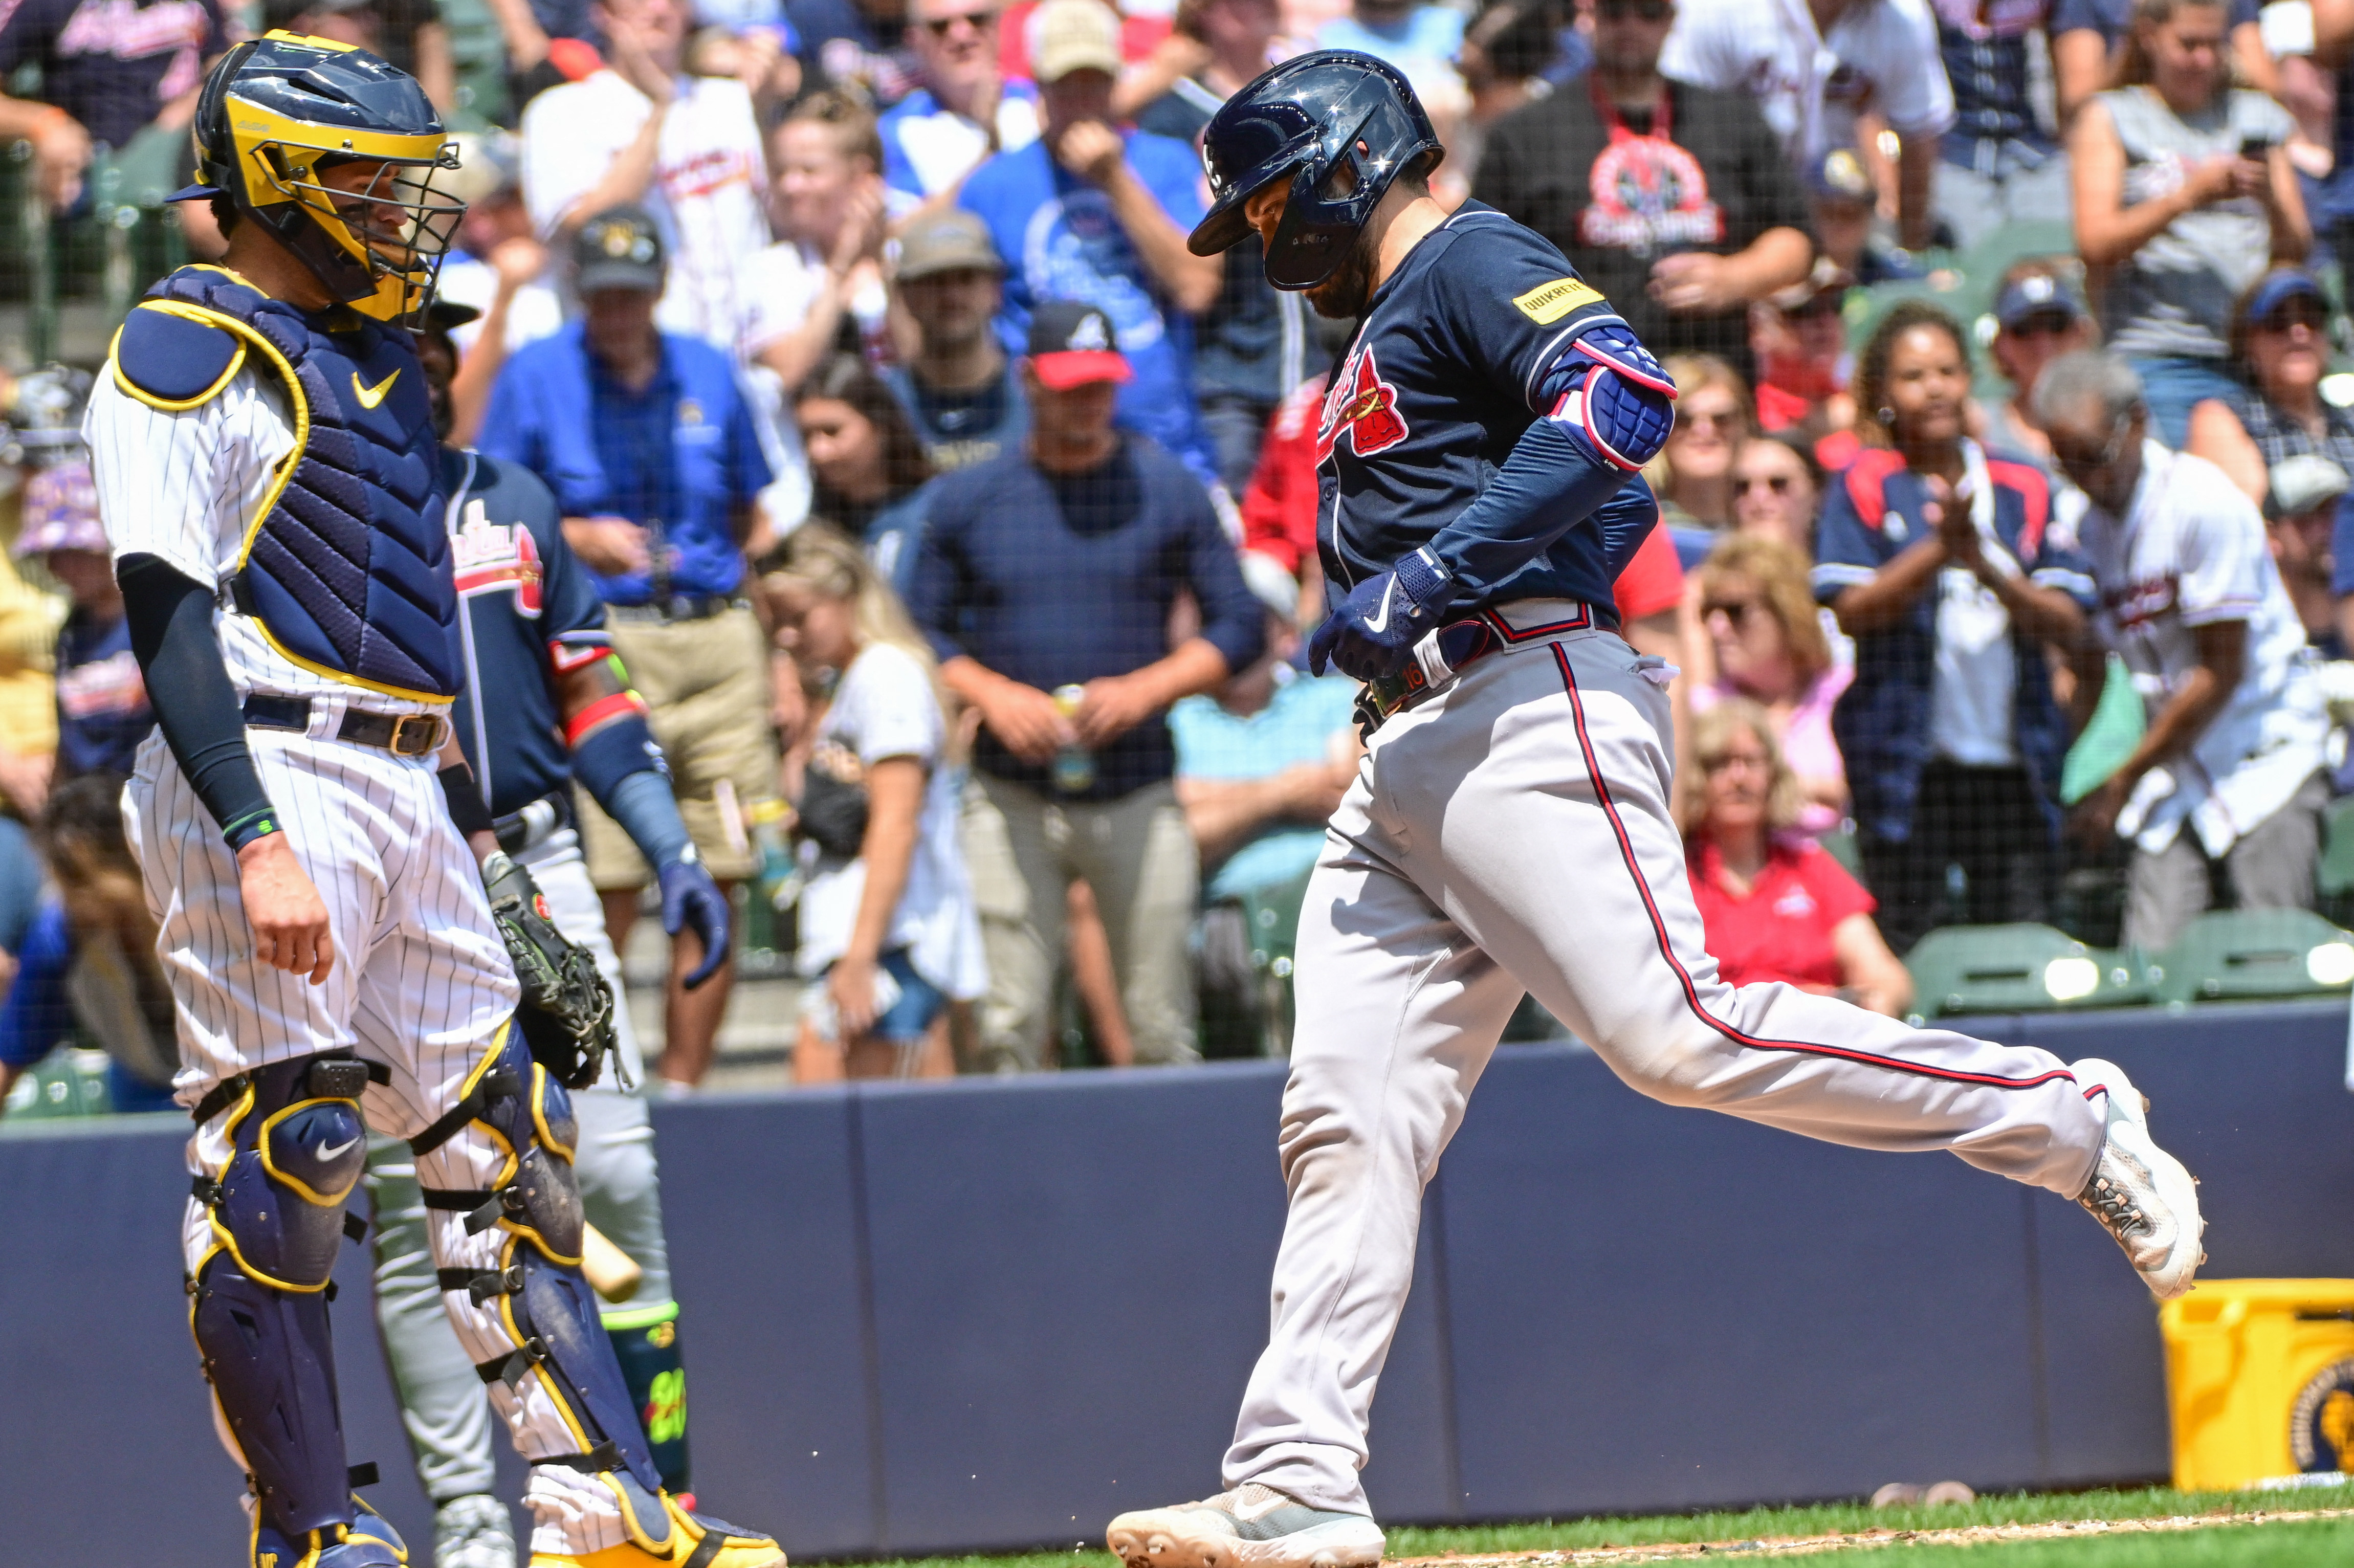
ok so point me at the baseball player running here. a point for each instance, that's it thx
(1509, 828)
(544, 702)
(269, 476)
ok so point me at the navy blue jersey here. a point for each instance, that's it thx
(530, 613)
(1448, 371)
(103, 712)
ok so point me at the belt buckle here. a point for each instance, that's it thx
(422, 740)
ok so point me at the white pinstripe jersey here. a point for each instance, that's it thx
(185, 487)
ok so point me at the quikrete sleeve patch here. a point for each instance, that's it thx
(173, 362)
(1548, 302)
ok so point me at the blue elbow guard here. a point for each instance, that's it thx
(1614, 396)
(614, 750)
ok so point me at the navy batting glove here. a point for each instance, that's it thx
(689, 897)
(1371, 632)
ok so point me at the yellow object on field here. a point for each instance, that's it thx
(2260, 1376)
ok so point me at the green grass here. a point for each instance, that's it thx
(2311, 1545)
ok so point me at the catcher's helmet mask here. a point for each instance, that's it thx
(1344, 126)
(279, 112)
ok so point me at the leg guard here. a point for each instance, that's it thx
(516, 1279)
(646, 1345)
(259, 1301)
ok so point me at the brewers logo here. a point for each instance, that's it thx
(2321, 1422)
(1365, 406)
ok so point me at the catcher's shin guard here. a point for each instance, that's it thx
(512, 1275)
(258, 1294)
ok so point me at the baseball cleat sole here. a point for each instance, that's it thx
(1191, 1538)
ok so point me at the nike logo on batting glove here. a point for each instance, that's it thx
(1371, 632)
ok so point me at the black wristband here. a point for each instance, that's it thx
(466, 807)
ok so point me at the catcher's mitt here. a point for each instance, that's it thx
(567, 1013)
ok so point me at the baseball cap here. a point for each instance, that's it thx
(618, 249)
(1074, 34)
(2037, 294)
(952, 241)
(1840, 175)
(2281, 285)
(60, 511)
(1072, 343)
(2303, 482)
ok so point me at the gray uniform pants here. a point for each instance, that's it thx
(1512, 833)
(2271, 868)
(441, 1399)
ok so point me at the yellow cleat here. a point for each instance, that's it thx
(691, 1540)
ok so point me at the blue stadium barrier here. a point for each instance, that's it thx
(987, 1314)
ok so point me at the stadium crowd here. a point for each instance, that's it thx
(959, 524)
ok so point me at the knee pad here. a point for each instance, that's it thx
(1624, 403)
(536, 1294)
(258, 1296)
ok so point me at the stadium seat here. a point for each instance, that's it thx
(2016, 969)
(2334, 877)
(2233, 955)
(69, 1083)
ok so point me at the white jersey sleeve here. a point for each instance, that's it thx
(2219, 548)
(1909, 72)
(181, 485)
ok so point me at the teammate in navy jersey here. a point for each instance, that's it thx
(544, 702)
(1509, 830)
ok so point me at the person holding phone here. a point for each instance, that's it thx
(2184, 197)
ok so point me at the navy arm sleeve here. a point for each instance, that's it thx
(1626, 519)
(171, 619)
(1550, 482)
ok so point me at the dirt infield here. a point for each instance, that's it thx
(1609, 1556)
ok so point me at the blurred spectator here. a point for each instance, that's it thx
(1250, 348)
(2001, 167)
(2300, 521)
(2037, 318)
(1814, 68)
(739, 41)
(1778, 488)
(650, 448)
(407, 35)
(102, 711)
(85, 968)
(1418, 37)
(2229, 768)
(960, 387)
(868, 464)
(1769, 650)
(1799, 338)
(1053, 570)
(640, 132)
(1672, 200)
(962, 112)
(1941, 565)
(887, 922)
(1712, 419)
(2089, 40)
(2280, 334)
(856, 46)
(1279, 507)
(819, 286)
(2333, 52)
(497, 268)
(1515, 52)
(1774, 905)
(1087, 212)
(1261, 766)
(2183, 191)
(109, 72)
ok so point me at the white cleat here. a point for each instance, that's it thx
(2139, 1192)
(1250, 1527)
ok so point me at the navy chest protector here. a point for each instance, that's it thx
(346, 569)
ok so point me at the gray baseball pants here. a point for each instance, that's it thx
(1512, 833)
(442, 1400)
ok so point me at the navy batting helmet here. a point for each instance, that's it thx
(278, 110)
(1343, 125)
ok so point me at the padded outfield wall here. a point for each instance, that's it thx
(990, 1314)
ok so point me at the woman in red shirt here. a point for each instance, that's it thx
(1775, 906)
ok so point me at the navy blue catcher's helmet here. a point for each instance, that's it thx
(1307, 118)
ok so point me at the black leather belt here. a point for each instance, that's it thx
(403, 734)
(1437, 659)
(677, 606)
(534, 824)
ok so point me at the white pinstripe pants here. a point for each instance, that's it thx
(1511, 834)
(421, 983)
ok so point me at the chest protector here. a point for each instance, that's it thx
(346, 569)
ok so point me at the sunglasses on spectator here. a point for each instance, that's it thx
(940, 27)
(1749, 760)
(1685, 421)
(1642, 10)
(2308, 314)
(1779, 483)
(1736, 610)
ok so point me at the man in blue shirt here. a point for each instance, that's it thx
(1053, 570)
(961, 113)
(648, 442)
(1090, 212)
(102, 710)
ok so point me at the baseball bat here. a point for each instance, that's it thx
(612, 1272)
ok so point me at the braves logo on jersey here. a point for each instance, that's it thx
(491, 556)
(1361, 405)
